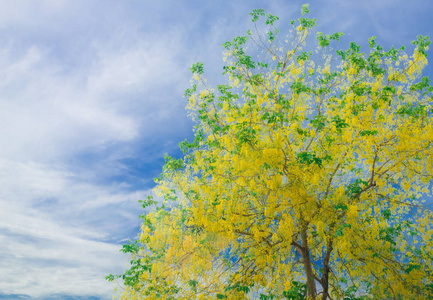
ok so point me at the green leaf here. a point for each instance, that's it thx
(111, 277)
(130, 248)
(197, 68)
(304, 56)
(256, 13)
(189, 92)
(340, 229)
(336, 36)
(270, 19)
(341, 206)
(323, 39)
(266, 297)
(308, 158)
(339, 123)
(307, 23)
(421, 44)
(173, 164)
(193, 284)
(298, 87)
(386, 213)
(368, 132)
(304, 9)
(423, 84)
(415, 111)
(354, 188)
(148, 202)
(354, 47)
(372, 42)
(318, 121)
(297, 291)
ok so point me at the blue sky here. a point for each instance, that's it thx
(91, 99)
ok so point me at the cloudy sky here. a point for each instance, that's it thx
(91, 99)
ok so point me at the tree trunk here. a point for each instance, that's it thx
(325, 274)
(305, 253)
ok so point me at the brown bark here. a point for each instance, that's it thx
(325, 274)
(305, 253)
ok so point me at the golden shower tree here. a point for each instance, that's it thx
(305, 179)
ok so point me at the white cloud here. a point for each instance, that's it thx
(44, 113)
(57, 232)
(40, 258)
(98, 80)
(59, 226)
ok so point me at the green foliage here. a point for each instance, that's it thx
(173, 164)
(308, 158)
(424, 84)
(256, 13)
(387, 214)
(340, 230)
(304, 56)
(414, 111)
(298, 291)
(368, 132)
(355, 188)
(324, 40)
(307, 23)
(318, 121)
(148, 202)
(304, 9)
(266, 297)
(280, 179)
(339, 123)
(197, 68)
(421, 43)
(130, 248)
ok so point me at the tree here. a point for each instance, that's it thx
(305, 178)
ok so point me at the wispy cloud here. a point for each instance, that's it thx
(90, 99)
(58, 232)
(61, 223)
